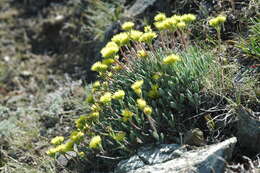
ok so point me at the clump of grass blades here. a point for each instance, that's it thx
(251, 45)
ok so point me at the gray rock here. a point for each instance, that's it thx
(130, 164)
(248, 130)
(64, 160)
(139, 7)
(173, 158)
(160, 154)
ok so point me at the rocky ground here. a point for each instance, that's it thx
(37, 42)
(46, 49)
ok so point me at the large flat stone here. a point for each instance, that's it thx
(173, 158)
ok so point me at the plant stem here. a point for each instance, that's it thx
(218, 35)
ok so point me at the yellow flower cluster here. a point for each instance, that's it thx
(108, 61)
(148, 28)
(62, 148)
(81, 154)
(148, 110)
(171, 23)
(217, 20)
(99, 67)
(94, 115)
(171, 59)
(95, 142)
(160, 17)
(80, 122)
(137, 86)
(135, 35)
(127, 115)
(120, 94)
(96, 84)
(95, 108)
(128, 26)
(57, 140)
(147, 37)
(188, 18)
(142, 54)
(121, 39)
(76, 136)
(141, 103)
(106, 98)
(167, 24)
(117, 67)
(109, 50)
(181, 25)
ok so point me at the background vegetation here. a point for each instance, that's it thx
(47, 46)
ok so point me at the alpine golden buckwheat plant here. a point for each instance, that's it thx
(149, 83)
(216, 23)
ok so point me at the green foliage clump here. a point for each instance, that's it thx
(251, 45)
(149, 87)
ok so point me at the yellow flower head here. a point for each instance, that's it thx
(160, 17)
(138, 91)
(128, 26)
(135, 35)
(81, 154)
(213, 22)
(221, 18)
(148, 110)
(99, 67)
(181, 25)
(121, 39)
(127, 115)
(147, 37)
(120, 94)
(142, 54)
(171, 59)
(148, 29)
(96, 84)
(76, 136)
(94, 115)
(95, 107)
(170, 23)
(105, 84)
(106, 98)
(188, 18)
(91, 117)
(109, 50)
(117, 67)
(51, 152)
(137, 85)
(160, 25)
(177, 18)
(57, 140)
(80, 122)
(109, 74)
(95, 142)
(108, 61)
(61, 148)
(141, 103)
(217, 20)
